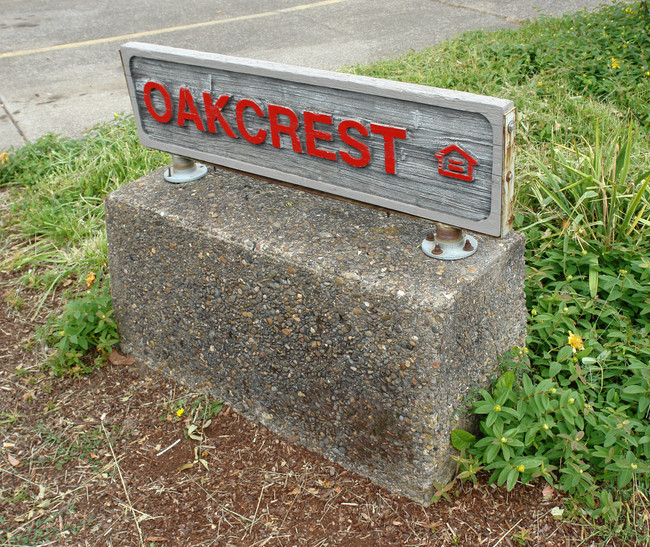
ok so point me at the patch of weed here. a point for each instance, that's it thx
(85, 324)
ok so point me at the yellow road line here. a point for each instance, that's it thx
(144, 34)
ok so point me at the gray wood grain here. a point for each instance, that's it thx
(433, 119)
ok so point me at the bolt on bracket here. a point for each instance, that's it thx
(184, 170)
(448, 243)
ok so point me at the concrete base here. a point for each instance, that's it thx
(318, 318)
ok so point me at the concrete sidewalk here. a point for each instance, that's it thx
(60, 69)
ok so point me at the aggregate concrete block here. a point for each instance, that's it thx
(318, 318)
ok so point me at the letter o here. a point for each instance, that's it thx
(167, 115)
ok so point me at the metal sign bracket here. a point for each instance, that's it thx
(449, 243)
(184, 170)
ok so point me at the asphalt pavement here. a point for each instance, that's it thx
(60, 69)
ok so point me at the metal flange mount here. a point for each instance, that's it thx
(184, 170)
(449, 243)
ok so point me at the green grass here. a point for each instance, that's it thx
(573, 406)
(561, 64)
(54, 230)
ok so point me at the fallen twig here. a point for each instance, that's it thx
(126, 492)
(168, 448)
(504, 535)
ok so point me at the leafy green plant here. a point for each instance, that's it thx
(523, 537)
(14, 300)
(85, 324)
(9, 418)
(538, 428)
(573, 406)
(53, 232)
(34, 532)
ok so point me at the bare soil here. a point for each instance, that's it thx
(106, 460)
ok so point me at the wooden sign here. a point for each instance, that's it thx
(433, 153)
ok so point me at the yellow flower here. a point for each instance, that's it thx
(3, 158)
(575, 341)
(179, 412)
(521, 468)
(616, 63)
(90, 280)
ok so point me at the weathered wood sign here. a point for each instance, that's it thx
(433, 153)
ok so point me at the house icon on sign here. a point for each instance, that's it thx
(455, 163)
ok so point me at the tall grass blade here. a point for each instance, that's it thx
(639, 195)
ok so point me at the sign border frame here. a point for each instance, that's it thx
(499, 113)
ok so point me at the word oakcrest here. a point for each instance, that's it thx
(427, 152)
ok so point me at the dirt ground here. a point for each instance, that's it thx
(125, 457)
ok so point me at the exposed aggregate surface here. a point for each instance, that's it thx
(318, 318)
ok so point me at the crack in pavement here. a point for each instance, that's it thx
(482, 12)
(13, 121)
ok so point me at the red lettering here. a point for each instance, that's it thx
(348, 139)
(290, 129)
(260, 136)
(167, 115)
(213, 112)
(390, 134)
(186, 101)
(311, 135)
